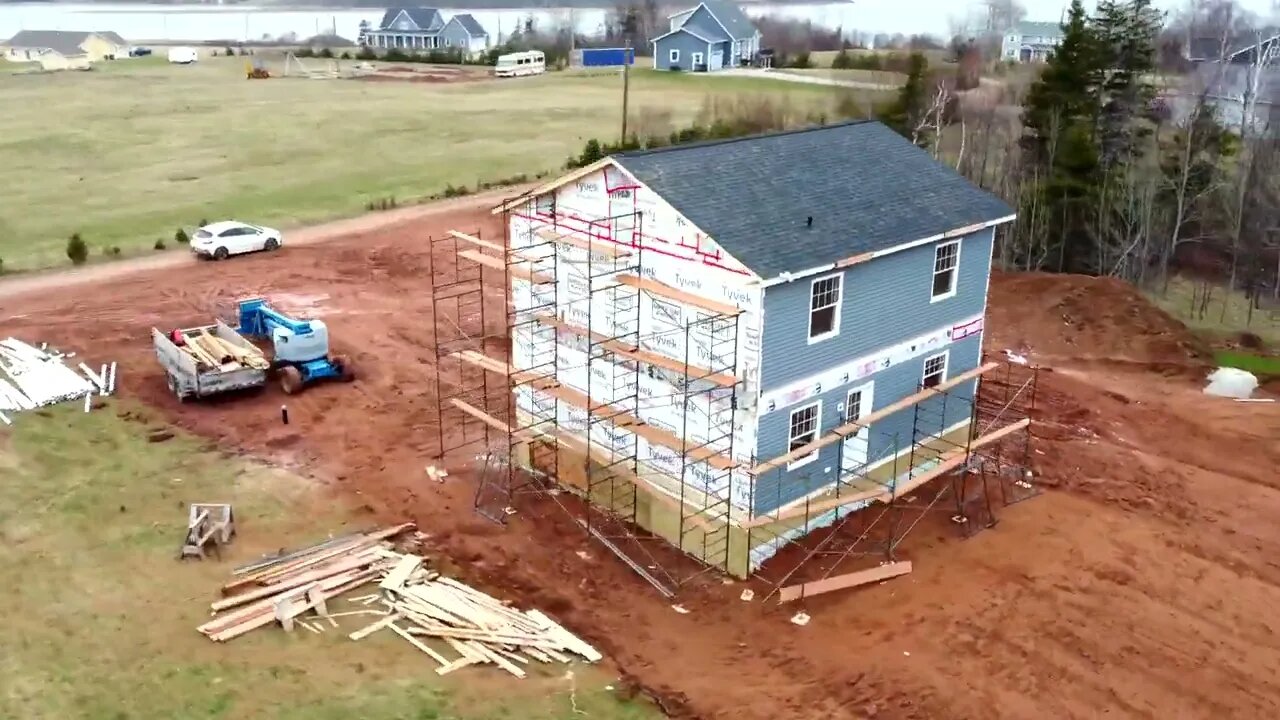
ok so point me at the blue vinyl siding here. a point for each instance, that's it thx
(457, 36)
(888, 435)
(686, 43)
(885, 301)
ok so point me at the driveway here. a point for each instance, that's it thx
(797, 77)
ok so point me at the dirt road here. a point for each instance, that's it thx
(62, 278)
(1136, 586)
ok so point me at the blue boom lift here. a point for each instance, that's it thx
(301, 347)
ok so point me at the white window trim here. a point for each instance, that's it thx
(817, 433)
(839, 306)
(946, 366)
(673, 55)
(955, 281)
(697, 59)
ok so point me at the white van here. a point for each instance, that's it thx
(183, 55)
(529, 62)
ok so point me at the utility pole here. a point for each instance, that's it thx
(626, 81)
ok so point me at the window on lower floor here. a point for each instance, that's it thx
(697, 58)
(935, 370)
(802, 431)
(674, 56)
(946, 264)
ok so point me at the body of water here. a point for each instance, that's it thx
(140, 23)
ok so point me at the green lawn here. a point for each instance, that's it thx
(100, 617)
(1264, 367)
(129, 152)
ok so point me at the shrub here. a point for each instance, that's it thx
(802, 60)
(229, 51)
(159, 244)
(842, 61)
(1, 266)
(303, 52)
(181, 237)
(345, 55)
(397, 55)
(366, 53)
(451, 191)
(111, 251)
(77, 250)
(203, 222)
(325, 53)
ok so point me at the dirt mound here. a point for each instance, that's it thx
(1087, 318)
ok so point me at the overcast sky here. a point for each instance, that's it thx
(908, 16)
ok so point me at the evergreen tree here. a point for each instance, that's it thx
(1125, 35)
(904, 113)
(1059, 116)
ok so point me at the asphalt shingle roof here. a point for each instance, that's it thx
(866, 188)
(1043, 29)
(423, 17)
(112, 37)
(60, 41)
(470, 24)
(732, 17)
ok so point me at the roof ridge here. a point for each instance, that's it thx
(743, 138)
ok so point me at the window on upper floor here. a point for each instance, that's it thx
(824, 307)
(935, 370)
(803, 430)
(545, 205)
(946, 269)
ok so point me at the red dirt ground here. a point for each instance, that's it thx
(1139, 585)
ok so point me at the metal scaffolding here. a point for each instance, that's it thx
(556, 395)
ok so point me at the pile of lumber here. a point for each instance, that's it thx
(35, 377)
(214, 352)
(453, 624)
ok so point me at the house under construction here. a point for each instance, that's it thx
(729, 345)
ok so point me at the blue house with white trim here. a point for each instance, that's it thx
(417, 29)
(824, 291)
(711, 36)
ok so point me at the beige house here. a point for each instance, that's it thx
(63, 50)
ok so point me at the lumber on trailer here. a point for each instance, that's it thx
(843, 431)
(621, 420)
(839, 582)
(949, 461)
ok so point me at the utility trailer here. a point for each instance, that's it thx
(240, 367)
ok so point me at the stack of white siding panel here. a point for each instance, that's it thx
(32, 377)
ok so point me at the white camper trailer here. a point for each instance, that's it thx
(529, 62)
(183, 55)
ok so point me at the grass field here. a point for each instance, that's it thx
(129, 152)
(1216, 325)
(100, 617)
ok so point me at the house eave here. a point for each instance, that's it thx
(875, 254)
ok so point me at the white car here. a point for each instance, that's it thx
(221, 239)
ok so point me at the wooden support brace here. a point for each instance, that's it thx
(847, 429)
(863, 577)
(653, 287)
(949, 461)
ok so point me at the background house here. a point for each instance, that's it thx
(710, 36)
(1030, 41)
(61, 50)
(747, 321)
(1243, 71)
(415, 29)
